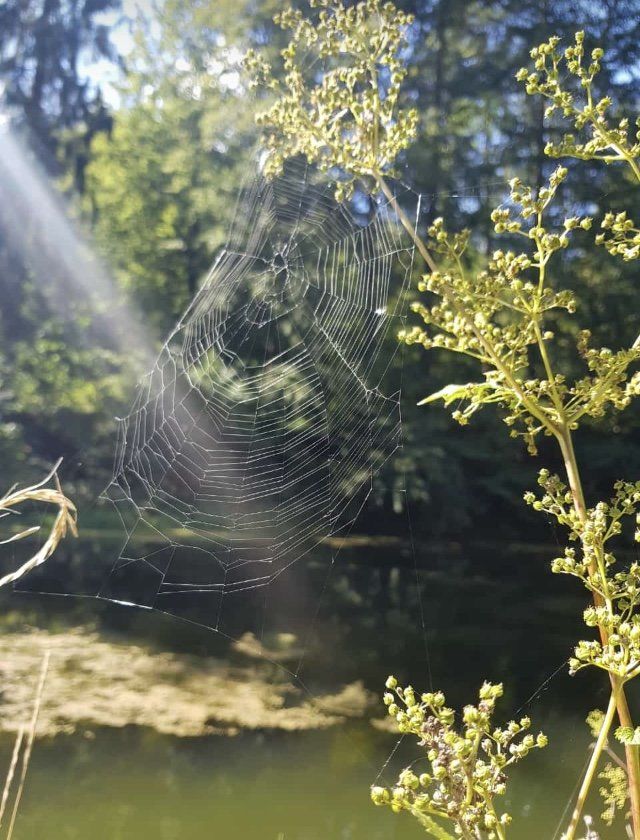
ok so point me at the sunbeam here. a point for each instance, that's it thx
(62, 262)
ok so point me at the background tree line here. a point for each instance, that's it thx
(149, 169)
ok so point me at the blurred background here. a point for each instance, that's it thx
(126, 131)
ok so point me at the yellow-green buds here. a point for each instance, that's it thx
(467, 764)
(348, 118)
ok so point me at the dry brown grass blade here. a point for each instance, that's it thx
(26, 756)
(11, 772)
(65, 521)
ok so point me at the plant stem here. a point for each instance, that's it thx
(492, 357)
(11, 772)
(617, 685)
(591, 769)
(547, 366)
(498, 828)
(562, 433)
(434, 828)
(406, 224)
(26, 756)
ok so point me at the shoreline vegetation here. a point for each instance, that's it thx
(347, 542)
(94, 682)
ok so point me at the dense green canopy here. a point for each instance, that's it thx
(151, 180)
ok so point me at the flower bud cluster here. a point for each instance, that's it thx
(608, 383)
(628, 735)
(614, 791)
(348, 118)
(548, 78)
(616, 614)
(620, 655)
(465, 766)
(606, 140)
(615, 788)
(623, 237)
(497, 317)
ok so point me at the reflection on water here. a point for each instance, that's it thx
(110, 779)
(93, 681)
(129, 784)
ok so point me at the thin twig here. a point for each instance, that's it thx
(31, 738)
(10, 773)
(591, 769)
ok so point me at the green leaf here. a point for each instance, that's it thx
(454, 392)
(432, 826)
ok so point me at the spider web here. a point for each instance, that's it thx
(260, 430)
(272, 407)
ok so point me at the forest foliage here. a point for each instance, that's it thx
(149, 167)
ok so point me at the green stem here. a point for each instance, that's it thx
(406, 224)
(548, 370)
(587, 781)
(634, 166)
(542, 268)
(628, 159)
(606, 135)
(563, 434)
(499, 828)
(632, 753)
(565, 441)
(539, 414)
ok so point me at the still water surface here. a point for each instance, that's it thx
(482, 619)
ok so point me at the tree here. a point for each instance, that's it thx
(45, 47)
(54, 108)
(162, 185)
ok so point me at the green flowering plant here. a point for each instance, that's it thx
(467, 765)
(350, 118)
(497, 317)
(566, 80)
(617, 594)
(347, 118)
(615, 784)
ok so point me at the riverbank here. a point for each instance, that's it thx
(93, 681)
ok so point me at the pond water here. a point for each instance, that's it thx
(131, 784)
(488, 613)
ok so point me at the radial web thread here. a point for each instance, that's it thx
(260, 429)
